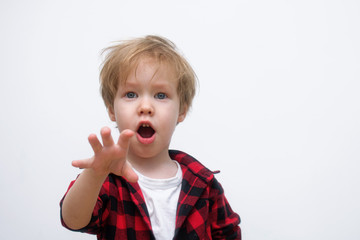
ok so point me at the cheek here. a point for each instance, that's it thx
(122, 116)
(172, 118)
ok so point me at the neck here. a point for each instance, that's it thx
(159, 166)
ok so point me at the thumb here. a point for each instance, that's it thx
(83, 163)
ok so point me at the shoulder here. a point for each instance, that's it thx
(192, 165)
(114, 186)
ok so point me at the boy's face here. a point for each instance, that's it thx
(149, 105)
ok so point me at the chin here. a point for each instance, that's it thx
(147, 151)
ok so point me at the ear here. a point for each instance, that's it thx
(182, 115)
(111, 113)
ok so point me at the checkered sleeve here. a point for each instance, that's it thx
(224, 221)
(99, 213)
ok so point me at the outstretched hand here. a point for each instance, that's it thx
(109, 157)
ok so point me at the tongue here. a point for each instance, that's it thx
(146, 132)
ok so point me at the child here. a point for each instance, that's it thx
(136, 188)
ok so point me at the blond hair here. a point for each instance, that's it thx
(122, 58)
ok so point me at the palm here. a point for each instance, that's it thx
(109, 157)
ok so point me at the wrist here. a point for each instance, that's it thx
(94, 176)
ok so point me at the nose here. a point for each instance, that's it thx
(146, 107)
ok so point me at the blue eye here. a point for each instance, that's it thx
(131, 95)
(160, 96)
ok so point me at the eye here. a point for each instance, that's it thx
(131, 95)
(160, 95)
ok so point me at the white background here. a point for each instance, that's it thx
(278, 109)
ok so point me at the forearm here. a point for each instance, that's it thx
(79, 202)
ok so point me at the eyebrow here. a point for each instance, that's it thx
(167, 85)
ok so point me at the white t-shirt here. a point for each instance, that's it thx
(161, 198)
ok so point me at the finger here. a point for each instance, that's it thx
(95, 143)
(124, 138)
(128, 173)
(106, 137)
(83, 163)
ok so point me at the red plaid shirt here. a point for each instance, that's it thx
(202, 213)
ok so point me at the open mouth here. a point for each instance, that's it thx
(146, 131)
